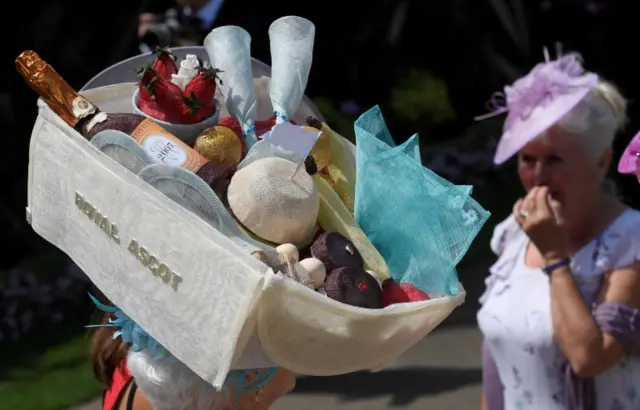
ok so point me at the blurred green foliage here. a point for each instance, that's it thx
(339, 122)
(421, 96)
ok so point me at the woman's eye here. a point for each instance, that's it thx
(528, 159)
(554, 159)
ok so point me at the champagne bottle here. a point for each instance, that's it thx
(88, 120)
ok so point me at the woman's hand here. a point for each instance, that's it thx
(540, 216)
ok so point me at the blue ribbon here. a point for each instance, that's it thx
(250, 135)
(130, 332)
(280, 117)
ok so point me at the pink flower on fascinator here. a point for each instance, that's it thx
(538, 100)
(630, 160)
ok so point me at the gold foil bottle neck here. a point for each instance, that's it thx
(52, 88)
(29, 63)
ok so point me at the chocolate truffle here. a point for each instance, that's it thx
(336, 251)
(353, 286)
(310, 165)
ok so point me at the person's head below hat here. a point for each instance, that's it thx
(573, 156)
(143, 381)
(560, 125)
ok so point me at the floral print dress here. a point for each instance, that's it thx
(515, 319)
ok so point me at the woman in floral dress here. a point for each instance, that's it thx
(560, 314)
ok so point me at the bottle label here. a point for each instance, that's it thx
(165, 148)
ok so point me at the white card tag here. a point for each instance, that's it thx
(293, 138)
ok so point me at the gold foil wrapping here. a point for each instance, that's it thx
(59, 95)
(220, 145)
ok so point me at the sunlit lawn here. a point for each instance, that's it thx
(50, 371)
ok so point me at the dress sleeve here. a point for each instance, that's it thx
(619, 246)
(579, 393)
(622, 321)
(502, 234)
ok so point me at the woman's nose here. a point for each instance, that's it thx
(541, 174)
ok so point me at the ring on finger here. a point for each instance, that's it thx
(523, 213)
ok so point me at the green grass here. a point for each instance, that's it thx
(49, 371)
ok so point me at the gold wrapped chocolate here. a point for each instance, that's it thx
(220, 145)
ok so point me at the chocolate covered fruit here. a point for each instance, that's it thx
(336, 251)
(353, 286)
(394, 292)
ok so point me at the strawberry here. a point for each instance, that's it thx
(165, 63)
(192, 110)
(146, 103)
(394, 292)
(264, 126)
(166, 95)
(203, 88)
(145, 100)
(232, 124)
(150, 107)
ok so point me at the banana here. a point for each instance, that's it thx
(340, 173)
(335, 217)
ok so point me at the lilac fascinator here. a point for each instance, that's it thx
(535, 102)
(630, 160)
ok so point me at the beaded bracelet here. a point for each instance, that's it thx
(548, 269)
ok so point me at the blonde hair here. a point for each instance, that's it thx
(597, 118)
